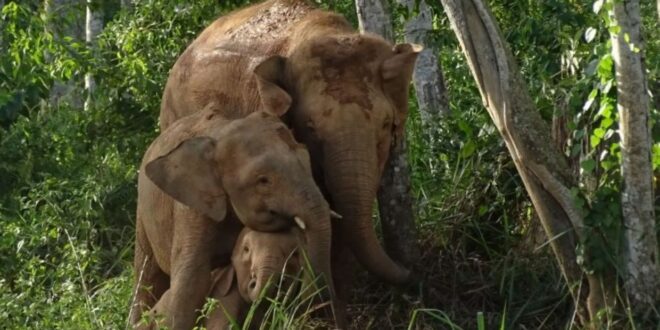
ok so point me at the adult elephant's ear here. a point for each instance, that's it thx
(268, 75)
(396, 73)
(188, 174)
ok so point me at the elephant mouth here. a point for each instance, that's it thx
(286, 220)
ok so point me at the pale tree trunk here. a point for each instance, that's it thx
(642, 280)
(374, 17)
(127, 4)
(394, 199)
(93, 27)
(429, 83)
(541, 165)
(62, 22)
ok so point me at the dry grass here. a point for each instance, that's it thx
(519, 291)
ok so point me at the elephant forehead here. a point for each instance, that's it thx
(348, 67)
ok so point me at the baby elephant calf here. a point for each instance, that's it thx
(257, 258)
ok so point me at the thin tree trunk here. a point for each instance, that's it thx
(642, 280)
(429, 83)
(127, 4)
(61, 18)
(541, 165)
(394, 199)
(93, 27)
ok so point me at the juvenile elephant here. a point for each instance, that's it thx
(200, 181)
(350, 100)
(257, 258)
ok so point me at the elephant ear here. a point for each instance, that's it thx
(222, 281)
(396, 73)
(274, 98)
(188, 174)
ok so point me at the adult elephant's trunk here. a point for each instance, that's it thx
(351, 177)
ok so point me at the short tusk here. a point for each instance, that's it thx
(299, 222)
(335, 215)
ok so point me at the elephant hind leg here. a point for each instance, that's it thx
(150, 281)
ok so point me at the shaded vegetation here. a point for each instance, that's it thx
(68, 176)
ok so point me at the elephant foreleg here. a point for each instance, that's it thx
(150, 281)
(191, 271)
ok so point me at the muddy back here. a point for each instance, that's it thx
(217, 66)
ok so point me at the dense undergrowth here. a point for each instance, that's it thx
(68, 176)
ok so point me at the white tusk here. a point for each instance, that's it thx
(335, 215)
(299, 222)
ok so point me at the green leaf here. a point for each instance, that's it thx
(594, 141)
(606, 122)
(576, 149)
(590, 34)
(588, 165)
(656, 156)
(614, 29)
(599, 132)
(590, 99)
(608, 86)
(605, 66)
(468, 149)
(591, 67)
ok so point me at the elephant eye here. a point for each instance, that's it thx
(246, 249)
(263, 180)
(387, 124)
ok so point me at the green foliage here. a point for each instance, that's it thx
(31, 61)
(67, 176)
(67, 179)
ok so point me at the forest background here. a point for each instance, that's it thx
(76, 117)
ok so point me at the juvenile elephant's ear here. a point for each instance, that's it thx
(268, 74)
(187, 174)
(396, 73)
(222, 281)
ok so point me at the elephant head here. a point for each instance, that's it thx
(350, 97)
(251, 168)
(260, 256)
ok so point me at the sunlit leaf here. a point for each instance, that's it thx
(590, 34)
(590, 99)
(598, 4)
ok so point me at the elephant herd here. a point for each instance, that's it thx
(276, 124)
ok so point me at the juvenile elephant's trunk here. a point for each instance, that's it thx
(318, 234)
(351, 177)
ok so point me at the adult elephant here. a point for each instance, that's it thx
(349, 95)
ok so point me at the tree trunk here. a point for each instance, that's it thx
(93, 27)
(62, 18)
(374, 17)
(429, 83)
(127, 4)
(541, 165)
(394, 201)
(642, 280)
